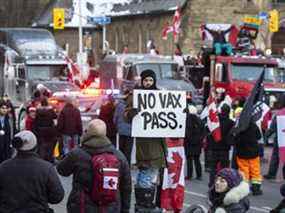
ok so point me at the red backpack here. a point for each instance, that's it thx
(105, 184)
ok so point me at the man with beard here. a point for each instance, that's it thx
(150, 154)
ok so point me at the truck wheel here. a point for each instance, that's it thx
(21, 119)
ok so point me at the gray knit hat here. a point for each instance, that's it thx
(27, 142)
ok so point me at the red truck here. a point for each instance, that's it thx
(237, 74)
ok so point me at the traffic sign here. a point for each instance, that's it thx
(252, 20)
(58, 18)
(263, 15)
(102, 20)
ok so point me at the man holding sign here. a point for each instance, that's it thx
(154, 115)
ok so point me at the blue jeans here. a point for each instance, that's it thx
(147, 177)
(69, 143)
(220, 47)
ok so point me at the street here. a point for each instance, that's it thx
(196, 192)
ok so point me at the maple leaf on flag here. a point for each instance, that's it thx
(175, 167)
(213, 116)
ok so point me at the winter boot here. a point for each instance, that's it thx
(144, 200)
(256, 189)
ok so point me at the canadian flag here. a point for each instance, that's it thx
(172, 193)
(231, 35)
(73, 68)
(175, 27)
(213, 120)
(110, 182)
(281, 134)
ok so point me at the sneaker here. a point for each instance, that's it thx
(199, 178)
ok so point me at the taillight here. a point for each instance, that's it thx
(92, 92)
(53, 102)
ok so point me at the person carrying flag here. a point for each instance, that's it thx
(247, 134)
(220, 149)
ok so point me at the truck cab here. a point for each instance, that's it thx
(122, 72)
(237, 74)
(28, 57)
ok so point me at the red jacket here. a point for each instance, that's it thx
(29, 123)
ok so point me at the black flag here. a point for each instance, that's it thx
(253, 106)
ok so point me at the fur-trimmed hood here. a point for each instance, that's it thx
(234, 196)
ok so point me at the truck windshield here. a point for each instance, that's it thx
(252, 72)
(162, 71)
(55, 72)
(31, 43)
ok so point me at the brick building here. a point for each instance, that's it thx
(134, 22)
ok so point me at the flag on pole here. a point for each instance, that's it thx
(175, 27)
(172, 192)
(176, 22)
(231, 32)
(213, 122)
(253, 106)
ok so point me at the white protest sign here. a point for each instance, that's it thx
(281, 130)
(160, 114)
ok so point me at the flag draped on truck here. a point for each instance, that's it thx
(172, 193)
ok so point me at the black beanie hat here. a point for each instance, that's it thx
(148, 73)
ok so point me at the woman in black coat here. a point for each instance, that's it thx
(193, 142)
(45, 130)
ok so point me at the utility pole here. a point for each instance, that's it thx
(104, 38)
(80, 28)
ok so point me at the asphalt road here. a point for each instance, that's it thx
(196, 193)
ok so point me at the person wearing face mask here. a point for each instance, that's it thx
(229, 193)
(150, 153)
(5, 132)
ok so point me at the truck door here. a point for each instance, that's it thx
(21, 84)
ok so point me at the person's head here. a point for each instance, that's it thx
(25, 141)
(227, 179)
(148, 79)
(70, 99)
(237, 112)
(32, 112)
(4, 108)
(95, 128)
(6, 97)
(220, 94)
(44, 102)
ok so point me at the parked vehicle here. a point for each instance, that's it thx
(237, 74)
(122, 71)
(27, 58)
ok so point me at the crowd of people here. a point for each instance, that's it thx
(99, 158)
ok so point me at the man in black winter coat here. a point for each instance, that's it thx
(78, 163)
(220, 150)
(27, 183)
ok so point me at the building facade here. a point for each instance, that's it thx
(135, 23)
